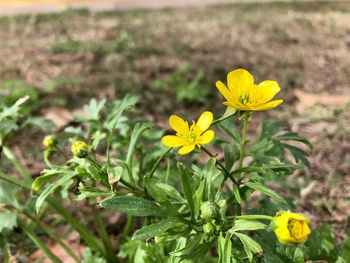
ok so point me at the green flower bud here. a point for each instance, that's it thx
(49, 141)
(80, 149)
(209, 228)
(209, 210)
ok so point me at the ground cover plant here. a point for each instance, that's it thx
(189, 212)
(113, 58)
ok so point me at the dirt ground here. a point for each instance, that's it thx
(69, 57)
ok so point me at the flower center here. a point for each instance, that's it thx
(296, 229)
(244, 98)
(191, 136)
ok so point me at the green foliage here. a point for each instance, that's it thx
(186, 211)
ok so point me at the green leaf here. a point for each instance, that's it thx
(297, 153)
(207, 174)
(88, 192)
(298, 256)
(250, 246)
(136, 133)
(134, 206)
(93, 108)
(171, 191)
(224, 248)
(187, 184)
(8, 195)
(263, 189)
(198, 197)
(242, 225)
(231, 154)
(155, 229)
(294, 137)
(156, 192)
(190, 246)
(236, 193)
(8, 220)
(41, 180)
(321, 244)
(52, 187)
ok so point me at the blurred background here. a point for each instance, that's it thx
(171, 53)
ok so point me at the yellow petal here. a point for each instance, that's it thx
(186, 149)
(239, 81)
(203, 122)
(173, 141)
(178, 124)
(224, 90)
(265, 91)
(206, 137)
(267, 106)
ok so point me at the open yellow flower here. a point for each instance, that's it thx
(189, 137)
(291, 228)
(242, 94)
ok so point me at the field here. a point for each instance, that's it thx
(63, 60)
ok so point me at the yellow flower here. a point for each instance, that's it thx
(242, 94)
(189, 137)
(80, 149)
(49, 141)
(291, 228)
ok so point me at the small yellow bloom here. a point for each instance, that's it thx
(242, 94)
(189, 137)
(291, 228)
(49, 141)
(80, 149)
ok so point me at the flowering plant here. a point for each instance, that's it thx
(180, 209)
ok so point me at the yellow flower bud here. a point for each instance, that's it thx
(80, 149)
(49, 141)
(209, 228)
(291, 228)
(209, 210)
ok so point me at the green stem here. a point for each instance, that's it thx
(156, 164)
(38, 242)
(111, 256)
(128, 226)
(5, 249)
(221, 166)
(242, 145)
(222, 119)
(51, 234)
(251, 217)
(243, 141)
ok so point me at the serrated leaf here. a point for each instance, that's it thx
(298, 256)
(171, 191)
(134, 206)
(263, 189)
(155, 229)
(250, 246)
(8, 195)
(52, 187)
